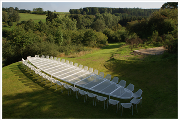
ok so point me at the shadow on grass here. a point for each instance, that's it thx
(44, 102)
(157, 79)
(114, 45)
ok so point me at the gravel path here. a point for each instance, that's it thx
(150, 51)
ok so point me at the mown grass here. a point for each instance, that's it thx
(35, 17)
(25, 17)
(25, 96)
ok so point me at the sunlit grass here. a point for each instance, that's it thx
(25, 17)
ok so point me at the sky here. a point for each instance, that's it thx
(65, 6)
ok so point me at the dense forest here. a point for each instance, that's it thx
(89, 27)
(125, 14)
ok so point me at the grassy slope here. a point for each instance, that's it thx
(26, 16)
(36, 18)
(25, 96)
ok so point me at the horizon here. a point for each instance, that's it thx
(66, 6)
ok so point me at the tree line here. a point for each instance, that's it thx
(75, 32)
(116, 11)
(35, 10)
(125, 14)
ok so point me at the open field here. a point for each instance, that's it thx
(26, 16)
(35, 17)
(25, 96)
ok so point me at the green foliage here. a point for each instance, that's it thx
(110, 34)
(29, 25)
(50, 16)
(10, 23)
(5, 33)
(160, 26)
(110, 19)
(155, 39)
(133, 40)
(93, 38)
(8, 52)
(171, 5)
(116, 36)
(171, 43)
(121, 35)
(129, 11)
(40, 26)
(38, 11)
(89, 38)
(101, 39)
(13, 15)
(4, 17)
(83, 21)
(98, 25)
(65, 23)
(67, 32)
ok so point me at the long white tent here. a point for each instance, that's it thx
(79, 76)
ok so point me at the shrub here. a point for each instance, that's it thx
(89, 38)
(101, 39)
(171, 43)
(133, 40)
(5, 32)
(155, 39)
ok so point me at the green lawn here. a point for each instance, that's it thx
(26, 16)
(25, 96)
(34, 17)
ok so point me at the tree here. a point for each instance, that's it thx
(89, 38)
(16, 9)
(16, 16)
(95, 10)
(29, 25)
(4, 17)
(13, 15)
(50, 16)
(78, 11)
(65, 22)
(86, 10)
(171, 5)
(10, 23)
(10, 10)
(99, 25)
(110, 20)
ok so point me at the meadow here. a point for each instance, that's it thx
(35, 17)
(24, 96)
(25, 17)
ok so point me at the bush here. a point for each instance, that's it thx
(89, 38)
(171, 43)
(101, 39)
(133, 40)
(110, 34)
(155, 39)
(10, 23)
(5, 32)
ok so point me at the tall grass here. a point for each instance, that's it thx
(25, 96)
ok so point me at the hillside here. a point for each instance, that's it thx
(24, 96)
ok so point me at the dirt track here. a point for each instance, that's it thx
(150, 51)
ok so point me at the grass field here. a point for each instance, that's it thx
(35, 17)
(26, 16)
(25, 96)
